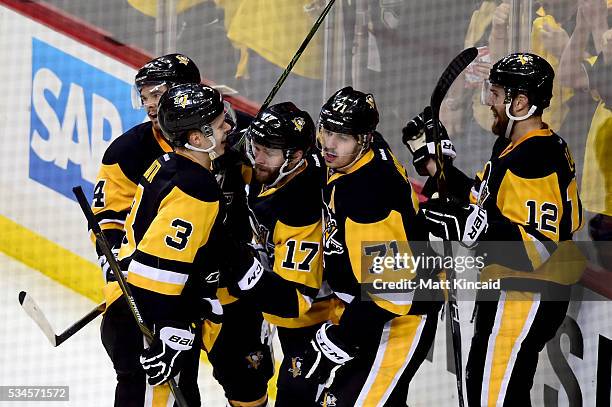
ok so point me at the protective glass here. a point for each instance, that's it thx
(492, 95)
(142, 98)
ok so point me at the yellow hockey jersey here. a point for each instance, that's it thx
(172, 246)
(124, 162)
(371, 213)
(289, 222)
(530, 193)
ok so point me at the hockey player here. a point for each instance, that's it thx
(128, 156)
(123, 164)
(285, 197)
(169, 253)
(528, 191)
(369, 208)
(242, 357)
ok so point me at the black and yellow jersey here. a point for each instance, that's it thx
(370, 211)
(124, 162)
(233, 175)
(530, 193)
(172, 248)
(289, 223)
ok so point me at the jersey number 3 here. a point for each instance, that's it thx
(181, 235)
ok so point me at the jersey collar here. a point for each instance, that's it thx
(545, 131)
(363, 160)
(161, 141)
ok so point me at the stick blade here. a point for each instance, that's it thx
(452, 71)
(31, 308)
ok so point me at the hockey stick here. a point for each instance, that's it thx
(449, 75)
(33, 310)
(105, 247)
(289, 68)
(238, 145)
(296, 57)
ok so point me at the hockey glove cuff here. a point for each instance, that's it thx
(452, 222)
(326, 353)
(163, 359)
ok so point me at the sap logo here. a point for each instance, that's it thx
(77, 110)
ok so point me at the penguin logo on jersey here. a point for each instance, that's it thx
(329, 400)
(254, 359)
(330, 244)
(296, 367)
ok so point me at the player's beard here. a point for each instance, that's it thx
(500, 120)
(265, 175)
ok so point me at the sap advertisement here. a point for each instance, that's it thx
(77, 109)
(62, 104)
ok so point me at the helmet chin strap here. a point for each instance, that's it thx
(512, 118)
(210, 150)
(282, 173)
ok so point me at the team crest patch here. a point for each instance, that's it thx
(182, 59)
(296, 367)
(254, 359)
(330, 244)
(370, 101)
(329, 400)
(299, 123)
(181, 101)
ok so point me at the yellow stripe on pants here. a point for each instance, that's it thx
(399, 340)
(515, 314)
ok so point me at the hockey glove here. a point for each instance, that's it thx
(163, 359)
(107, 273)
(452, 221)
(241, 278)
(418, 137)
(210, 309)
(325, 354)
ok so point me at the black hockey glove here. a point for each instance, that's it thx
(210, 309)
(163, 359)
(452, 221)
(325, 354)
(418, 137)
(242, 276)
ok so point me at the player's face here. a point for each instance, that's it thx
(150, 95)
(220, 130)
(339, 149)
(496, 100)
(267, 163)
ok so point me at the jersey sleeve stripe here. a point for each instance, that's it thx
(156, 274)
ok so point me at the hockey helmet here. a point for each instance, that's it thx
(524, 73)
(349, 111)
(188, 106)
(168, 70)
(283, 126)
